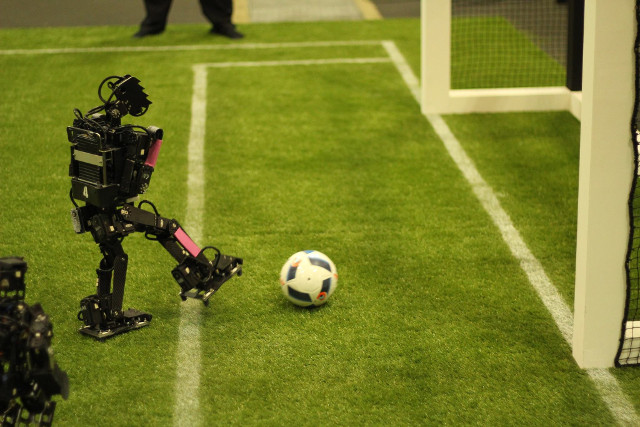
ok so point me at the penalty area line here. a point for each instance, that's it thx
(606, 384)
(186, 411)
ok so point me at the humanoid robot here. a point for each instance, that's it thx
(30, 376)
(111, 164)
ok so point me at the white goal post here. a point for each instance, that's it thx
(606, 171)
(437, 95)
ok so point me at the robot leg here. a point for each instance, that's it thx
(200, 280)
(198, 276)
(102, 312)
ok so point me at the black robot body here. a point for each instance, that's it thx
(111, 165)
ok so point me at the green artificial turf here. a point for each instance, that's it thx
(531, 162)
(433, 321)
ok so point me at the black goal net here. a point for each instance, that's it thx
(629, 349)
(509, 43)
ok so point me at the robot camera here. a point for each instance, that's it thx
(131, 95)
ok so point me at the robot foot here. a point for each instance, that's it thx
(225, 268)
(45, 418)
(12, 415)
(17, 415)
(131, 319)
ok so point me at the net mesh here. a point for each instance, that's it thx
(629, 349)
(508, 43)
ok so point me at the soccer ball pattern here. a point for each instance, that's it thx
(308, 278)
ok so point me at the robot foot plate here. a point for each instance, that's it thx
(132, 319)
(230, 267)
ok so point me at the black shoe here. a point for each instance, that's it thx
(227, 30)
(144, 33)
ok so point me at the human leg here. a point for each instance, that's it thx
(156, 19)
(218, 12)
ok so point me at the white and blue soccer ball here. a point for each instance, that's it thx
(308, 278)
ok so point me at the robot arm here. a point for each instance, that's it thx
(198, 276)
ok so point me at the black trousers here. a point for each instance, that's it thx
(216, 11)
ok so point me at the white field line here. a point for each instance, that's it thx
(183, 48)
(609, 388)
(186, 411)
(528, 262)
(298, 62)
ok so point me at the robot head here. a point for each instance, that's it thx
(12, 270)
(129, 97)
(112, 163)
